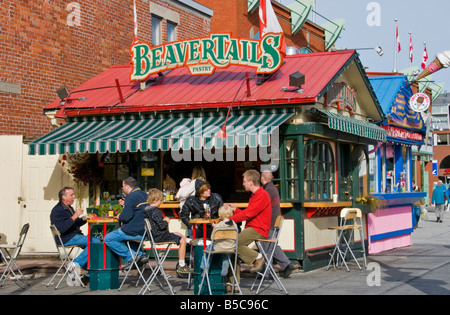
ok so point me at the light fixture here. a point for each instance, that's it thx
(63, 94)
(378, 49)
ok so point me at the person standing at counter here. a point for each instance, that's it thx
(278, 255)
(439, 199)
(68, 222)
(257, 216)
(133, 224)
(195, 206)
(187, 187)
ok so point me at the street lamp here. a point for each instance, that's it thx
(378, 49)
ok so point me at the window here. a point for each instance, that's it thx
(394, 169)
(291, 161)
(318, 170)
(117, 166)
(363, 174)
(171, 31)
(156, 30)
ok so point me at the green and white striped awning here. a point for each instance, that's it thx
(163, 132)
(353, 126)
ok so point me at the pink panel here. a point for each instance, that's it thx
(389, 221)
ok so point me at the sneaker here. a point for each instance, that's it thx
(184, 269)
(141, 260)
(286, 272)
(128, 265)
(70, 279)
(257, 265)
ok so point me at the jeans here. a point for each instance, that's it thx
(115, 242)
(80, 239)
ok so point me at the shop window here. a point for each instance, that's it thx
(318, 170)
(389, 159)
(404, 174)
(395, 169)
(373, 184)
(291, 160)
(156, 30)
(363, 174)
(117, 166)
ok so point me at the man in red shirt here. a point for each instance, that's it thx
(257, 217)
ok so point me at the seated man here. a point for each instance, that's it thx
(133, 225)
(257, 216)
(68, 222)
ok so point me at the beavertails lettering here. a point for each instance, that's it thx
(204, 55)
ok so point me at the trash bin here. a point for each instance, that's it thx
(103, 271)
(217, 281)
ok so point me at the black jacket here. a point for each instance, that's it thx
(61, 217)
(193, 208)
(159, 226)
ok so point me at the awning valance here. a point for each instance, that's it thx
(161, 132)
(353, 126)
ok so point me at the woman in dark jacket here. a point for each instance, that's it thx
(194, 207)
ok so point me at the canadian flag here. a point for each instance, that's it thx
(410, 49)
(268, 22)
(398, 38)
(425, 58)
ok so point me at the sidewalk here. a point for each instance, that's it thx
(420, 269)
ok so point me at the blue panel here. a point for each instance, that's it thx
(383, 236)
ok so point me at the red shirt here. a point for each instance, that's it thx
(258, 213)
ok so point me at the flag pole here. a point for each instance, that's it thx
(395, 46)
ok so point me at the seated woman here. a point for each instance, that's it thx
(195, 206)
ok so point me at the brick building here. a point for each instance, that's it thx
(47, 44)
(44, 45)
(241, 19)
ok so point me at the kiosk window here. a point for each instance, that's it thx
(291, 169)
(318, 170)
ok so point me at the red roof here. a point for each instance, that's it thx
(178, 90)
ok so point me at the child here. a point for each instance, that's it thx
(183, 192)
(225, 213)
(160, 225)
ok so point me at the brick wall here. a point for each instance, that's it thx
(48, 43)
(232, 16)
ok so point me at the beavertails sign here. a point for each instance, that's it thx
(203, 55)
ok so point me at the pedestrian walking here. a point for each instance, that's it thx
(440, 200)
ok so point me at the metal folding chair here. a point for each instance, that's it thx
(134, 258)
(344, 237)
(268, 256)
(64, 253)
(160, 257)
(222, 233)
(10, 258)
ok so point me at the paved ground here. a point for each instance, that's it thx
(421, 269)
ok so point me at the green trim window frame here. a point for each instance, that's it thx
(144, 166)
(289, 175)
(319, 170)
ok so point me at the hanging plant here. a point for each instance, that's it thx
(84, 168)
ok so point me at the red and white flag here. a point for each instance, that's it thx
(410, 49)
(268, 22)
(135, 39)
(398, 38)
(425, 58)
